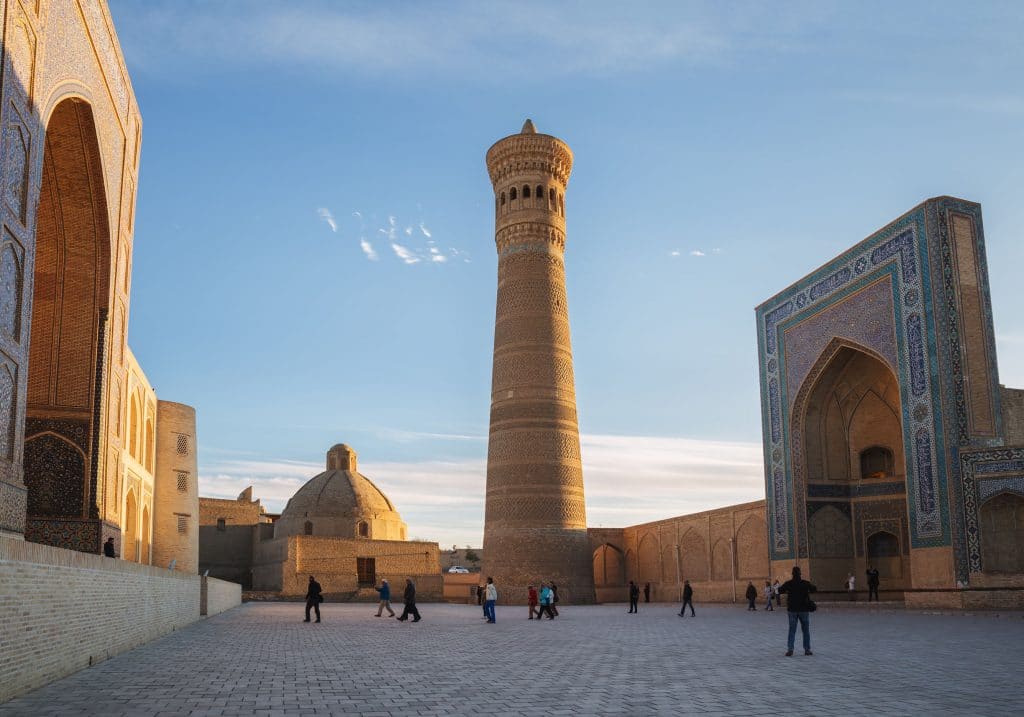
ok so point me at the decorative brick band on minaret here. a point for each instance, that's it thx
(536, 524)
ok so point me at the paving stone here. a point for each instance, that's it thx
(261, 659)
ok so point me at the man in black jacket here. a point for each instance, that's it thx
(751, 596)
(313, 598)
(687, 599)
(799, 605)
(410, 603)
(634, 596)
(872, 582)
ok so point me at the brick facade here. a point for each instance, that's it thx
(535, 523)
(62, 610)
(718, 551)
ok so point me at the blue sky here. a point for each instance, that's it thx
(314, 258)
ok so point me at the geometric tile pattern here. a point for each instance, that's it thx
(985, 473)
(917, 327)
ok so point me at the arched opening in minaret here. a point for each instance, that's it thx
(512, 194)
(539, 193)
(67, 341)
(526, 191)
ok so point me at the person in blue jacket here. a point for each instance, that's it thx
(385, 598)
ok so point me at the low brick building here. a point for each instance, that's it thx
(338, 527)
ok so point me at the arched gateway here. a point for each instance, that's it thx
(888, 440)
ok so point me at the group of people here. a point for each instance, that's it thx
(314, 596)
(544, 602)
(851, 584)
(770, 592)
(799, 605)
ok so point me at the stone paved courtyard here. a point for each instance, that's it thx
(261, 659)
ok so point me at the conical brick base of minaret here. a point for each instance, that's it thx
(535, 527)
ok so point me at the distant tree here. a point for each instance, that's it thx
(471, 556)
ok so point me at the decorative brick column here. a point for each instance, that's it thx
(536, 523)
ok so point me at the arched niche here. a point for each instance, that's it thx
(1002, 534)
(68, 338)
(847, 420)
(693, 556)
(649, 565)
(752, 549)
(609, 566)
(130, 528)
(883, 551)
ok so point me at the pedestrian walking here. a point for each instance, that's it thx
(769, 593)
(531, 601)
(778, 596)
(410, 602)
(647, 592)
(385, 599)
(490, 598)
(554, 599)
(851, 587)
(751, 596)
(799, 607)
(687, 599)
(545, 602)
(872, 582)
(108, 548)
(634, 596)
(313, 598)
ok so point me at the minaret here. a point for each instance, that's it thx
(535, 527)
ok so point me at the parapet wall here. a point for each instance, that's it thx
(62, 610)
(218, 595)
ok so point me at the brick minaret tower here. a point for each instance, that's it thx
(535, 527)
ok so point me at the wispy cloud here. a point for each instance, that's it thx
(443, 500)
(426, 232)
(674, 252)
(697, 252)
(326, 215)
(367, 249)
(404, 254)
(574, 38)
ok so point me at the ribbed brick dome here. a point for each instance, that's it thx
(340, 502)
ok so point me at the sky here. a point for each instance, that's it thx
(314, 259)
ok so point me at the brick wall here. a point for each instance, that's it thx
(61, 610)
(718, 551)
(218, 596)
(1013, 415)
(285, 564)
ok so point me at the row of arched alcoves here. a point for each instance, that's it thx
(523, 197)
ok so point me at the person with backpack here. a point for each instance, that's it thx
(545, 602)
(313, 598)
(799, 607)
